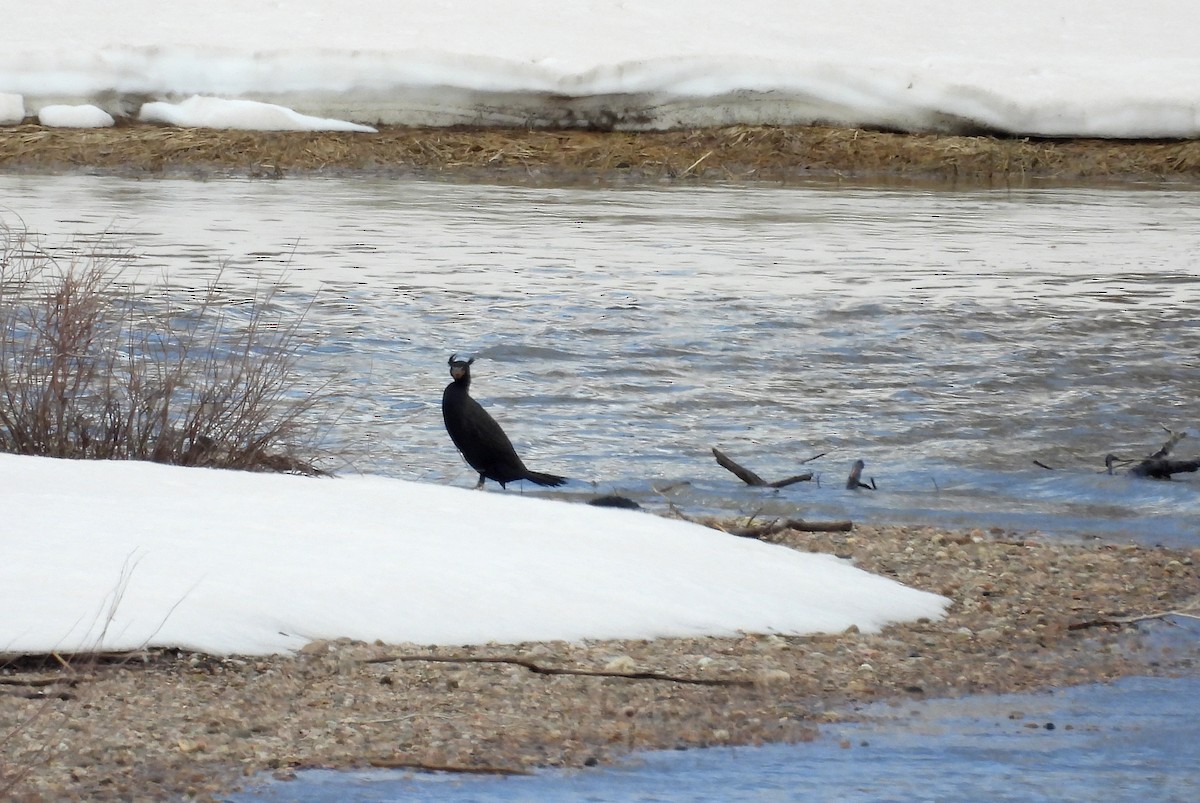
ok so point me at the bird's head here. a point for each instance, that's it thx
(459, 368)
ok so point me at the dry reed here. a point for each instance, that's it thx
(91, 369)
(714, 154)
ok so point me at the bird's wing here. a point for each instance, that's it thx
(483, 438)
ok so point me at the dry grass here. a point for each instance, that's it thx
(91, 369)
(732, 153)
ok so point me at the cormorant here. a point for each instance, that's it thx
(479, 438)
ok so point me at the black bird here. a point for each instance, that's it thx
(477, 435)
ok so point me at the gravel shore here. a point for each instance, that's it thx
(1028, 612)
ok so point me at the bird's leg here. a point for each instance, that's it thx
(479, 484)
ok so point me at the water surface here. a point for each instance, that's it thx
(947, 338)
(1133, 740)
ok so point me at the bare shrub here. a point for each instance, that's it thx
(91, 368)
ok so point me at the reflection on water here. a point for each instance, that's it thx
(947, 338)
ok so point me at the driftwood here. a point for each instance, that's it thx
(1157, 466)
(750, 478)
(1187, 613)
(767, 529)
(40, 682)
(407, 764)
(552, 670)
(76, 662)
(854, 482)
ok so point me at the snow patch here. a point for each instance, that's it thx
(208, 112)
(12, 108)
(83, 116)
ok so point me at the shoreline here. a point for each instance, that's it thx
(740, 153)
(1027, 613)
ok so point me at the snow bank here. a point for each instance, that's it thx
(118, 555)
(1028, 67)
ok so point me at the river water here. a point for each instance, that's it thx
(1128, 742)
(946, 338)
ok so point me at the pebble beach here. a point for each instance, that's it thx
(1026, 612)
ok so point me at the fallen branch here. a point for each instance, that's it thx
(1172, 439)
(854, 482)
(405, 764)
(695, 164)
(805, 477)
(1163, 469)
(68, 662)
(767, 529)
(752, 530)
(741, 472)
(37, 683)
(750, 478)
(1157, 466)
(1187, 613)
(551, 670)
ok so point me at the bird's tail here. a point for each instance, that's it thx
(549, 480)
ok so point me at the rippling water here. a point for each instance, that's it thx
(947, 338)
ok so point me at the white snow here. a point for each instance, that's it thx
(118, 555)
(1032, 67)
(82, 116)
(12, 108)
(244, 114)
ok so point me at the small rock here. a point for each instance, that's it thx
(622, 663)
(318, 647)
(989, 635)
(772, 677)
(775, 643)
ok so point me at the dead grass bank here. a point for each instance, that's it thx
(718, 154)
